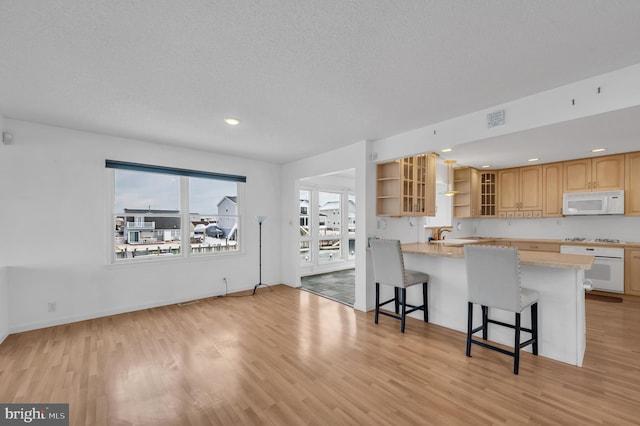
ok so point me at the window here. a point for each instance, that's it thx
(163, 212)
(351, 226)
(213, 207)
(305, 230)
(327, 220)
(330, 229)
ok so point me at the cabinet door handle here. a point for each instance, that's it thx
(595, 185)
(589, 185)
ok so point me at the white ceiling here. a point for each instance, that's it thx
(617, 131)
(304, 76)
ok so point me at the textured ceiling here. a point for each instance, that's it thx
(303, 76)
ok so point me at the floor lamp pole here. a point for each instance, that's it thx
(260, 220)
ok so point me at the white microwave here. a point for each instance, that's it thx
(593, 203)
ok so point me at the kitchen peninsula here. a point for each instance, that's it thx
(558, 278)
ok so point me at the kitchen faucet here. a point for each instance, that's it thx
(436, 232)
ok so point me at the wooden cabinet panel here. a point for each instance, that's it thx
(488, 194)
(577, 175)
(408, 167)
(608, 173)
(520, 191)
(548, 247)
(594, 174)
(508, 189)
(464, 201)
(477, 196)
(632, 184)
(388, 189)
(552, 190)
(430, 184)
(531, 188)
(632, 272)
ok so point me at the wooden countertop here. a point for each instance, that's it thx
(536, 258)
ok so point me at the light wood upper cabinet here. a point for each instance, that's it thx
(594, 174)
(577, 175)
(632, 184)
(406, 187)
(466, 201)
(425, 201)
(531, 188)
(520, 191)
(552, 190)
(508, 189)
(488, 194)
(476, 195)
(388, 189)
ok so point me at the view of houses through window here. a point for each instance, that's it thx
(148, 220)
(327, 226)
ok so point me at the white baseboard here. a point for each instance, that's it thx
(83, 317)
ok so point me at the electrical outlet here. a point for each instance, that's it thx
(52, 306)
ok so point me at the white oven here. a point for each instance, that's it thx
(607, 272)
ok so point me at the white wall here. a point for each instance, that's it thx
(55, 190)
(4, 304)
(4, 287)
(351, 157)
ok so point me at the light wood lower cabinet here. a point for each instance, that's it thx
(548, 247)
(632, 271)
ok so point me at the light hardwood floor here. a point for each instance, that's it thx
(289, 357)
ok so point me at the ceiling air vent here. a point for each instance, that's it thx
(495, 118)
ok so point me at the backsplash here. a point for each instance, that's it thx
(624, 228)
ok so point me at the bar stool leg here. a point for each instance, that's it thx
(377, 302)
(534, 327)
(425, 301)
(404, 308)
(516, 346)
(485, 322)
(469, 327)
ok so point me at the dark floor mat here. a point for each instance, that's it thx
(601, 298)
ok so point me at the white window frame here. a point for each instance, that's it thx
(314, 239)
(185, 241)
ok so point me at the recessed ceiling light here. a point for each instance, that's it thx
(446, 150)
(232, 121)
(533, 159)
(486, 166)
(598, 149)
